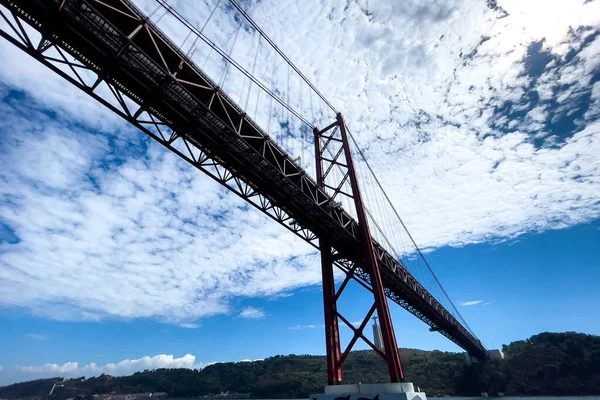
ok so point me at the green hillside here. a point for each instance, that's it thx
(545, 364)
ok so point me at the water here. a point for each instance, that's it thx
(521, 398)
(505, 398)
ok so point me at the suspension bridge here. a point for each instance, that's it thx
(222, 96)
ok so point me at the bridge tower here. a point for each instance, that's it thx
(332, 150)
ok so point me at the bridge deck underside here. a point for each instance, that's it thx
(115, 40)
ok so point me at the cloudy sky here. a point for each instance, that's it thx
(481, 118)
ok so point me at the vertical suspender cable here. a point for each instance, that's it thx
(185, 40)
(288, 133)
(210, 16)
(230, 52)
(251, 21)
(256, 105)
(409, 235)
(302, 127)
(253, 67)
(271, 97)
(193, 47)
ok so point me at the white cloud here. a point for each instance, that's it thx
(126, 367)
(420, 89)
(178, 244)
(190, 325)
(471, 303)
(488, 303)
(73, 369)
(310, 326)
(36, 336)
(66, 368)
(252, 313)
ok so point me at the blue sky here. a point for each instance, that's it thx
(516, 277)
(117, 256)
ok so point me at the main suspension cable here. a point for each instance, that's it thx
(362, 155)
(231, 61)
(255, 26)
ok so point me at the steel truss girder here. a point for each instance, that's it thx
(206, 161)
(162, 134)
(193, 118)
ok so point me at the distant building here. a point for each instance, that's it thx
(129, 396)
(496, 354)
(377, 335)
(228, 395)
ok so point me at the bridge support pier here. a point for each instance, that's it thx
(377, 391)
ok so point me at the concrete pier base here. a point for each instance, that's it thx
(371, 391)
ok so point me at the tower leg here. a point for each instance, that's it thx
(334, 368)
(392, 356)
(332, 334)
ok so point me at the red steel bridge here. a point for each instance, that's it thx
(125, 59)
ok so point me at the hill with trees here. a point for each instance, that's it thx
(545, 364)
